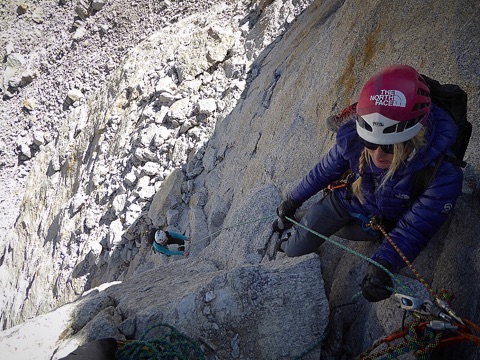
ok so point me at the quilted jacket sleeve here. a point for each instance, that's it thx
(332, 165)
(330, 168)
(423, 219)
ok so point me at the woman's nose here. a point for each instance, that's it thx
(379, 152)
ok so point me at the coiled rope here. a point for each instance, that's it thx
(172, 345)
(422, 343)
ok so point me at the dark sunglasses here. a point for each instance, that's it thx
(387, 149)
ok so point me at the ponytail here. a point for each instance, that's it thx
(357, 184)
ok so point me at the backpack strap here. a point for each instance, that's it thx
(423, 178)
(455, 161)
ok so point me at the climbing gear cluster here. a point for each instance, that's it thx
(433, 327)
(435, 324)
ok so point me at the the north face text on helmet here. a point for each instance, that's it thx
(389, 98)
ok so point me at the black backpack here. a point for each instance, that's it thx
(452, 99)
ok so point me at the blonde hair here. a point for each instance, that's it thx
(401, 152)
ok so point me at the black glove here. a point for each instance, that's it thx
(288, 208)
(375, 281)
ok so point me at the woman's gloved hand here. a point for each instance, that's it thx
(288, 208)
(375, 281)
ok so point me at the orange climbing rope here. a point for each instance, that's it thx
(376, 225)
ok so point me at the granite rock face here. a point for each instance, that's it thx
(202, 130)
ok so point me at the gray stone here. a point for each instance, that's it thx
(105, 322)
(127, 327)
(22, 9)
(98, 5)
(147, 134)
(130, 179)
(180, 109)
(271, 306)
(9, 48)
(78, 201)
(161, 115)
(118, 203)
(80, 33)
(38, 137)
(24, 151)
(38, 15)
(167, 197)
(172, 216)
(144, 189)
(82, 9)
(16, 60)
(144, 155)
(166, 84)
(75, 94)
(132, 214)
(207, 106)
(115, 233)
(151, 168)
(30, 105)
(91, 306)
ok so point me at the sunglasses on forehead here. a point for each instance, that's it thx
(387, 149)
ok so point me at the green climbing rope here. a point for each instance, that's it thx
(172, 345)
(400, 285)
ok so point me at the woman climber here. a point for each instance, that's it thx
(392, 133)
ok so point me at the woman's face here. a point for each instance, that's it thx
(380, 158)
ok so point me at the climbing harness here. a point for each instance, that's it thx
(336, 186)
(365, 224)
(172, 345)
(345, 182)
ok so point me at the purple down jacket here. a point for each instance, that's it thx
(415, 220)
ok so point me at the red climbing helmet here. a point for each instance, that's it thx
(393, 106)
